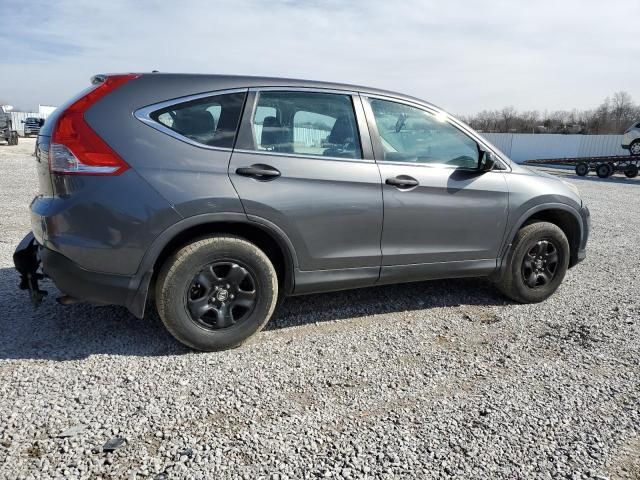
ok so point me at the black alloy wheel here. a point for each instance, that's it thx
(540, 264)
(222, 294)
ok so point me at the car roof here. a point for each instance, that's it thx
(258, 81)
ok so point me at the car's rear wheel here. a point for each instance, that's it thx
(634, 148)
(537, 263)
(215, 293)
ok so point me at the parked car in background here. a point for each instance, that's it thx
(32, 126)
(7, 132)
(219, 195)
(631, 139)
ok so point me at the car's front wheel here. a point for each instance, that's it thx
(634, 148)
(215, 293)
(537, 263)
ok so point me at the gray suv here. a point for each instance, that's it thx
(219, 195)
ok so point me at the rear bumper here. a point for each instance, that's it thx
(81, 284)
(85, 285)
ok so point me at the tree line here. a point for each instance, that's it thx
(613, 116)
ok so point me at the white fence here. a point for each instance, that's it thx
(526, 146)
(304, 135)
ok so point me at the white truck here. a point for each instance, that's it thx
(7, 133)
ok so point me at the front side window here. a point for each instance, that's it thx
(306, 123)
(212, 121)
(409, 134)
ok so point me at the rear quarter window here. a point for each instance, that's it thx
(211, 121)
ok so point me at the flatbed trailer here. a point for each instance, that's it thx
(603, 166)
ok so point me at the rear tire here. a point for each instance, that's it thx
(634, 148)
(537, 263)
(631, 171)
(602, 170)
(215, 293)
(582, 169)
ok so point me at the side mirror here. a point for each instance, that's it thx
(486, 162)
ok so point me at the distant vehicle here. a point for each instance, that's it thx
(32, 126)
(631, 139)
(7, 133)
(219, 195)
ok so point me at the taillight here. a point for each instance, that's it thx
(75, 148)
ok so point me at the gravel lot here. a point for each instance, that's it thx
(430, 380)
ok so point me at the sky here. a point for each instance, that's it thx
(465, 56)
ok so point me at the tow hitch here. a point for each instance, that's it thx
(27, 262)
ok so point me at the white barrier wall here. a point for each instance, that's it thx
(525, 146)
(18, 117)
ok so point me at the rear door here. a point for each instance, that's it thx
(303, 161)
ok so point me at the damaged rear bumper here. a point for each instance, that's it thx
(74, 281)
(26, 260)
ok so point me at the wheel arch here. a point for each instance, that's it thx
(268, 237)
(564, 216)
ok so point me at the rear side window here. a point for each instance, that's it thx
(306, 123)
(212, 121)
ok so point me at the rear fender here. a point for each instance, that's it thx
(141, 281)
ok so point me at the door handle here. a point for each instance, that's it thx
(402, 182)
(259, 171)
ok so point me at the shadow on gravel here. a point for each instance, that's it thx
(56, 332)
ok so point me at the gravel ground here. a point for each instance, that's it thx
(439, 379)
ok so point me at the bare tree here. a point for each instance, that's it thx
(508, 115)
(613, 115)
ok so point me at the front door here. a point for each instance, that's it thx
(442, 215)
(300, 164)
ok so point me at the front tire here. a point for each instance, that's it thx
(537, 263)
(634, 148)
(215, 293)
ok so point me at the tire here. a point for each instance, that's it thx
(219, 276)
(634, 148)
(602, 170)
(631, 171)
(582, 169)
(612, 168)
(516, 281)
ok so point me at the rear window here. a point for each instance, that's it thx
(212, 121)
